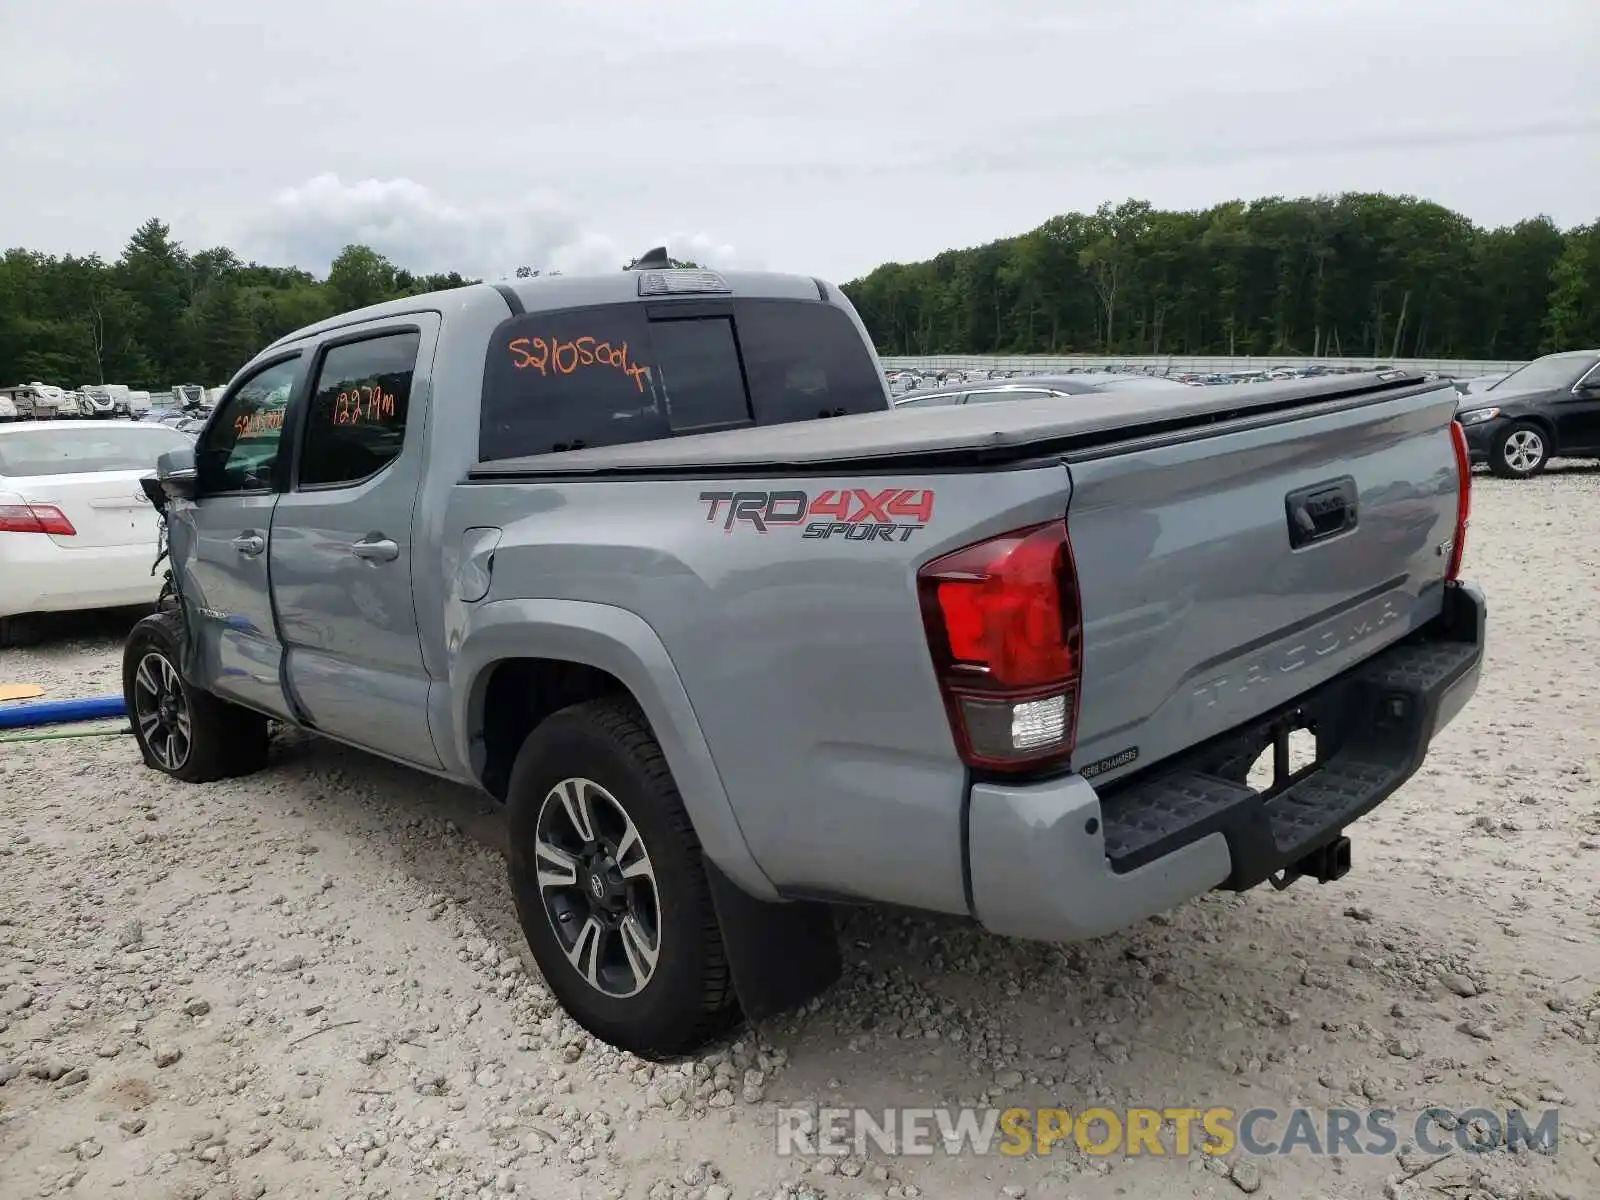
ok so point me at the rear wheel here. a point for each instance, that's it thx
(1520, 451)
(181, 730)
(609, 884)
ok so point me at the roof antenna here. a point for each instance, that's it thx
(651, 260)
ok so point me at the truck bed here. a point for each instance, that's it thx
(1072, 428)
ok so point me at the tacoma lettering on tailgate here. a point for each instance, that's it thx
(1318, 642)
(855, 514)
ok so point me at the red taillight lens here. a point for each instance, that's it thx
(35, 518)
(1458, 547)
(1005, 629)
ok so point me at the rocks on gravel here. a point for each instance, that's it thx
(1246, 1175)
(220, 938)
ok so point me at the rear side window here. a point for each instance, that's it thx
(610, 374)
(356, 422)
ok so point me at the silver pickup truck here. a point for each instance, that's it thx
(649, 558)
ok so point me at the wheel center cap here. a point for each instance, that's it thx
(602, 883)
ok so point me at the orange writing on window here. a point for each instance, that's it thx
(362, 404)
(563, 358)
(258, 422)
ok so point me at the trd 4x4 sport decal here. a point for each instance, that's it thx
(856, 514)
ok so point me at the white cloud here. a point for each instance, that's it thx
(825, 137)
(421, 230)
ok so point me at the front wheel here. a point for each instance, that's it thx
(609, 884)
(181, 730)
(1520, 451)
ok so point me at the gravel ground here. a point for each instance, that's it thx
(310, 983)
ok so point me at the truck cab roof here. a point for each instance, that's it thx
(549, 293)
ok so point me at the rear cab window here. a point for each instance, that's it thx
(632, 372)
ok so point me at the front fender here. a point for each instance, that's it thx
(621, 643)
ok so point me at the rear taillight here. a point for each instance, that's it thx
(1005, 629)
(1458, 546)
(35, 518)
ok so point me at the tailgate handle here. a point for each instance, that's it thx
(1321, 511)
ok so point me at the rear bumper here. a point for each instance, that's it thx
(36, 575)
(1059, 862)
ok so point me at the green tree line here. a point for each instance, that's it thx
(1351, 275)
(1355, 275)
(160, 315)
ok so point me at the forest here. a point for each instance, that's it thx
(1355, 275)
(1350, 275)
(160, 315)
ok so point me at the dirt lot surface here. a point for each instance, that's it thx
(309, 982)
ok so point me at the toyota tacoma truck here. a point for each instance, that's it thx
(649, 558)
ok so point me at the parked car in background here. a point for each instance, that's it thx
(8, 407)
(1478, 383)
(165, 414)
(76, 530)
(1549, 408)
(1035, 387)
(138, 404)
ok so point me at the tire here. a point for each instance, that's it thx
(8, 632)
(600, 759)
(223, 740)
(1520, 452)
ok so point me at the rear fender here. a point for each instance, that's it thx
(622, 644)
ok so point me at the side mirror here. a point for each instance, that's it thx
(175, 472)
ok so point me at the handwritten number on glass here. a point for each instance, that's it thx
(257, 422)
(362, 404)
(563, 358)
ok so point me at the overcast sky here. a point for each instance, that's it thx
(825, 136)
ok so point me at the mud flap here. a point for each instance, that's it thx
(781, 955)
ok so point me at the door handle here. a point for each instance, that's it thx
(376, 549)
(250, 544)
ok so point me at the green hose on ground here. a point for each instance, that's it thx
(76, 733)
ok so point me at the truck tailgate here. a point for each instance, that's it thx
(1222, 576)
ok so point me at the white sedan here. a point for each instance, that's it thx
(76, 531)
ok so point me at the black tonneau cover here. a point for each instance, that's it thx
(983, 434)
